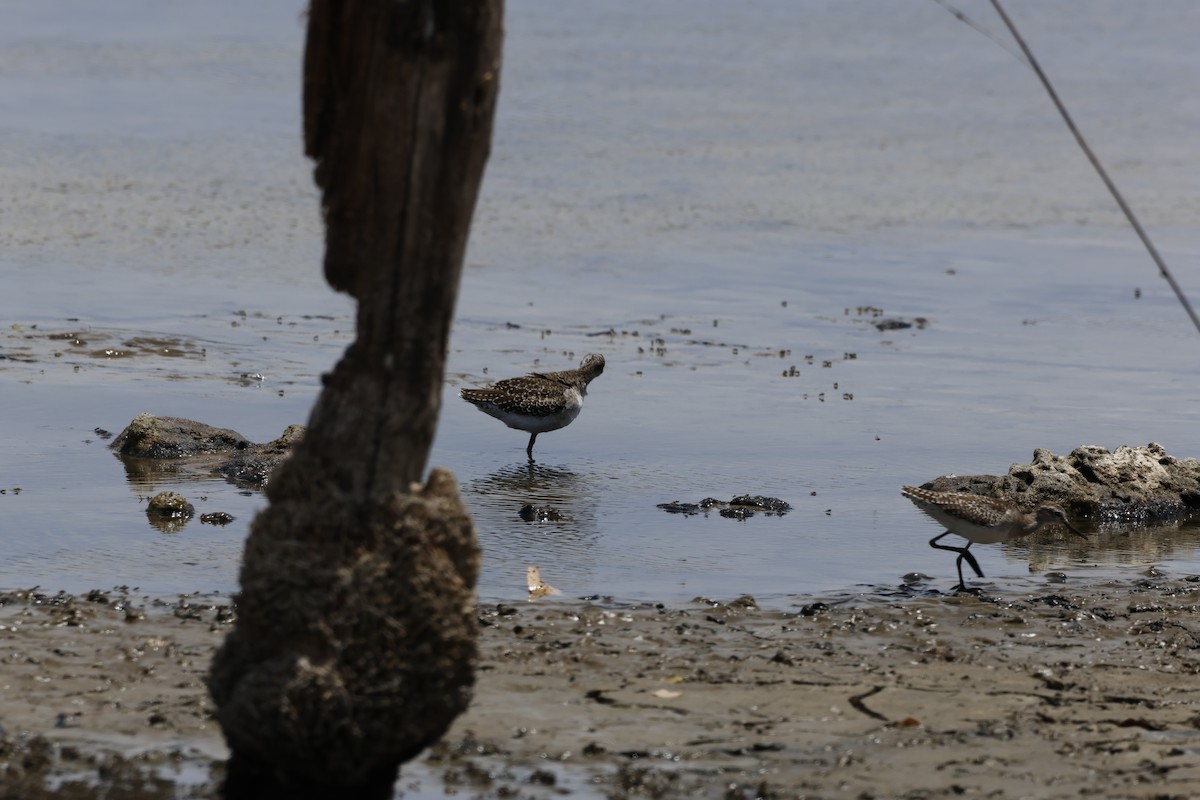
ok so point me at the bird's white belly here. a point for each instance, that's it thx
(982, 535)
(979, 534)
(564, 416)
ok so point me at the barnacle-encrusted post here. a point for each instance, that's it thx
(354, 645)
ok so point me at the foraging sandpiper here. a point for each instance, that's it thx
(540, 401)
(982, 520)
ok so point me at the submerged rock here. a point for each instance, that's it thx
(760, 503)
(173, 445)
(253, 466)
(739, 507)
(169, 511)
(171, 505)
(896, 324)
(531, 513)
(1130, 484)
(148, 436)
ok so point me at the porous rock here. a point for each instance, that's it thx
(171, 505)
(148, 436)
(149, 441)
(253, 466)
(1142, 484)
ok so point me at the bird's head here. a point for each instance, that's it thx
(591, 366)
(1051, 514)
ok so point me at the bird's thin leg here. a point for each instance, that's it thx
(963, 553)
(962, 585)
(529, 449)
(970, 557)
(934, 541)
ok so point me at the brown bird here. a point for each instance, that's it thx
(540, 401)
(982, 520)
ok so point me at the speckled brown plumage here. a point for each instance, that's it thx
(540, 401)
(981, 519)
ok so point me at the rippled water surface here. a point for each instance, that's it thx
(730, 239)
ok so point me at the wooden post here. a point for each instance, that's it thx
(354, 645)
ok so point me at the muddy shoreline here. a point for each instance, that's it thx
(914, 693)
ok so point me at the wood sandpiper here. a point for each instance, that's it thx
(540, 401)
(982, 520)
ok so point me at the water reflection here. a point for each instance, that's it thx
(561, 547)
(1112, 544)
(530, 480)
(150, 475)
(167, 524)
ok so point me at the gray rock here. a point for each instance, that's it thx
(169, 511)
(151, 446)
(253, 466)
(148, 436)
(170, 504)
(1135, 484)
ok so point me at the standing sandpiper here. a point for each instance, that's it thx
(540, 401)
(981, 519)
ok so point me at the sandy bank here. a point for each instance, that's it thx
(1074, 691)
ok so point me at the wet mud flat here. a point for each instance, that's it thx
(1064, 692)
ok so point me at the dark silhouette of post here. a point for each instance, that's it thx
(354, 646)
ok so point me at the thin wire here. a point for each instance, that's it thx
(1112, 187)
(962, 17)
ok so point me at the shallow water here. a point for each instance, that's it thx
(994, 373)
(730, 210)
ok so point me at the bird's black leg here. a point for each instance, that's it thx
(963, 552)
(529, 449)
(970, 557)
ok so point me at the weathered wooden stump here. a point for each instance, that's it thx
(354, 646)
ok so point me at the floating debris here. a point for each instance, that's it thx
(740, 507)
(532, 513)
(537, 586)
(769, 504)
(896, 324)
